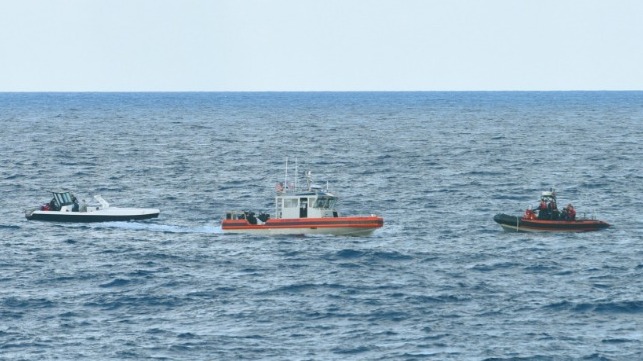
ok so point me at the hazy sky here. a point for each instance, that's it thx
(293, 45)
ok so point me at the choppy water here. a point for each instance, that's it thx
(440, 280)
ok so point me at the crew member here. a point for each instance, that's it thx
(571, 212)
(553, 210)
(542, 209)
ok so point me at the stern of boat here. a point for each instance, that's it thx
(29, 213)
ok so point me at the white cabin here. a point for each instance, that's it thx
(314, 203)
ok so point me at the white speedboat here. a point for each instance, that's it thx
(64, 207)
(308, 211)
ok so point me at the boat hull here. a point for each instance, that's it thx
(339, 226)
(107, 215)
(519, 224)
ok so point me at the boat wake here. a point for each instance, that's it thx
(165, 228)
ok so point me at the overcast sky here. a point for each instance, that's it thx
(320, 45)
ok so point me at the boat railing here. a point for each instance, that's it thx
(233, 215)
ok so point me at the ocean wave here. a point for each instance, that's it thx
(494, 266)
(628, 307)
(118, 282)
(27, 303)
(349, 254)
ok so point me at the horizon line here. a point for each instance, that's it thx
(321, 91)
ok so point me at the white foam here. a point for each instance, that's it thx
(167, 228)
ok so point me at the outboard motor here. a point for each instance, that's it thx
(263, 217)
(251, 217)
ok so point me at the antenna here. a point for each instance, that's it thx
(286, 177)
(296, 172)
(309, 179)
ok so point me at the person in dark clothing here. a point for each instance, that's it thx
(543, 212)
(553, 210)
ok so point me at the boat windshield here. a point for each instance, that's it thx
(325, 202)
(63, 199)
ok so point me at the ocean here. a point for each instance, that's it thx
(440, 280)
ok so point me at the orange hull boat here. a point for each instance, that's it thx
(353, 226)
(308, 211)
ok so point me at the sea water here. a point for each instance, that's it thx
(439, 281)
